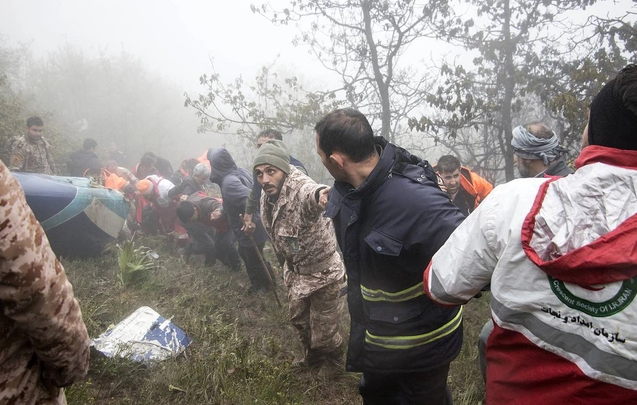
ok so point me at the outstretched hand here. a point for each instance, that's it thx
(323, 197)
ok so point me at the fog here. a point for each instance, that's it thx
(174, 41)
(173, 38)
(120, 71)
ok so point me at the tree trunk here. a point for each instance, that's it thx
(509, 87)
(381, 82)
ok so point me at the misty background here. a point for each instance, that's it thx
(436, 77)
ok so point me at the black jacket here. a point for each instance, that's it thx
(82, 160)
(388, 230)
(203, 230)
(558, 168)
(188, 186)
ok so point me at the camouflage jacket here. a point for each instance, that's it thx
(31, 156)
(44, 344)
(301, 233)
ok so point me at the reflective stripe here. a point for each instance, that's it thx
(591, 359)
(438, 291)
(400, 296)
(407, 342)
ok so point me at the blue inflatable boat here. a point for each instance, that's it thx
(79, 219)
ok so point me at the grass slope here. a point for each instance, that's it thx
(243, 344)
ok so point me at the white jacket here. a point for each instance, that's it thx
(561, 257)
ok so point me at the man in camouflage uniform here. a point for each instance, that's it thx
(292, 211)
(30, 152)
(43, 345)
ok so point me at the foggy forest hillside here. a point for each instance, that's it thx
(434, 77)
(177, 78)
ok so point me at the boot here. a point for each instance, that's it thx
(314, 358)
(332, 363)
(303, 361)
(299, 363)
(329, 370)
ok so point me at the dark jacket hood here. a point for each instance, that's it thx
(221, 164)
(396, 160)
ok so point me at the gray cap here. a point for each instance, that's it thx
(273, 153)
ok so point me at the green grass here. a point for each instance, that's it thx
(242, 344)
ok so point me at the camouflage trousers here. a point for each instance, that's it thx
(317, 320)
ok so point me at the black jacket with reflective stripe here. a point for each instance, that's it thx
(388, 230)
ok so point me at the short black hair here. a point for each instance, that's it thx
(35, 122)
(89, 143)
(626, 87)
(185, 210)
(188, 165)
(346, 130)
(148, 159)
(448, 164)
(270, 133)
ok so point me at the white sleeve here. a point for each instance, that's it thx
(465, 263)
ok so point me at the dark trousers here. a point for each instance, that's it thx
(226, 250)
(424, 388)
(254, 267)
(201, 241)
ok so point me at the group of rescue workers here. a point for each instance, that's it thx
(558, 253)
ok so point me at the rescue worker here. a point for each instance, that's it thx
(292, 212)
(537, 151)
(114, 167)
(252, 205)
(146, 166)
(208, 229)
(156, 210)
(536, 154)
(235, 184)
(560, 256)
(107, 179)
(193, 183)
(44, 345)
(82, 160)
(30, 153)
(390, 217)
(466, 189)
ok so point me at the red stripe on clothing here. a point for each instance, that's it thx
(521, 373)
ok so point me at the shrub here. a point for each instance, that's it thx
(135, 264)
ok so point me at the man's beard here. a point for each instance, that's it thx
(524, 170)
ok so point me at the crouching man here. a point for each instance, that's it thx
(208, 228)
(292, 212)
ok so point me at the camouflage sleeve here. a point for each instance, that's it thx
(35, 293)
(309, 202)
(16, 161)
